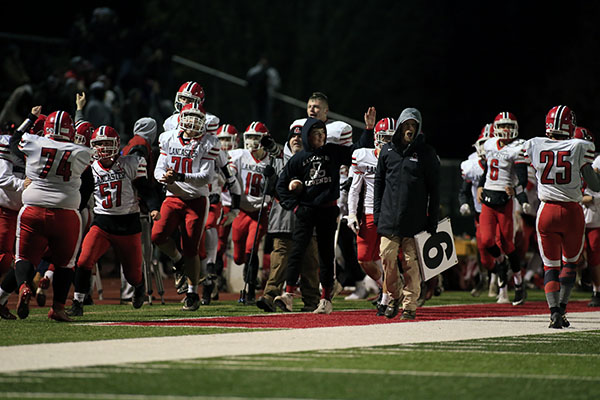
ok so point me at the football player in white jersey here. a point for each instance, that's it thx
(560, 162)
(118, 180)
(190, 92)
(504, 164)
(362, 173)
(185, 166)
(53, 167)
(12, 183)
(472, 170)
(591, 212)
(252, 166)
(338, 132)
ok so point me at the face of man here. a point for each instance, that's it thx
(316, 138)
(316, 108)
(295, 143)
(409, 130)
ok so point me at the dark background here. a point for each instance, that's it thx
(460, 63)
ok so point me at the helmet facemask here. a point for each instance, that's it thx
(252, 141)
(193, 123)
(105, 147)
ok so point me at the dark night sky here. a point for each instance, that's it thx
(460, 63)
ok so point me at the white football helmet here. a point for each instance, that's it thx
(253, 134)
(506, 125)
(384, 131)
(192, 119)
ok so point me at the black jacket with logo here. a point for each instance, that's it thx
(318, 169)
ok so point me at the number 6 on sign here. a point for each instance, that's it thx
(437, 252)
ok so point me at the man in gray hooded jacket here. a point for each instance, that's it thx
(406, 202)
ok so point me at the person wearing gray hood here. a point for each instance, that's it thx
(406, 202)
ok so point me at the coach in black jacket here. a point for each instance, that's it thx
(309, 182)
(406, 202)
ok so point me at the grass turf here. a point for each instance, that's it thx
(525, 367)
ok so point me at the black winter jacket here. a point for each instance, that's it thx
(406, 194)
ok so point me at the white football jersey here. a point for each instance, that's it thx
(55, 170)
(501, 162)
(362, 172)
(558, 164)
(195, 158)
(249, 172)
(12, 176)
(472, 170)
(114, 193)
(591, 212)
(212, 123)
(338, 132)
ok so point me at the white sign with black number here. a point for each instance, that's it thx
(437, 252)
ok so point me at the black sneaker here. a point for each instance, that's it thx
(520, 295)
(408, 314)
(87, 300)
(207, 290)
(392, 309)
(595, 302)
(556, 320)
(266, 304)
(191, 302)
(138, 296)
(76, 309)
(381, 310)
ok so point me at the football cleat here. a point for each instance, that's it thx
(503, 296)
(76, 309)
(59, 315)
(139, 293)
(191, 302)
(520, 295)
(207, 289)
(556, 320)
(5, 312)
(23, 302)
(595, 302)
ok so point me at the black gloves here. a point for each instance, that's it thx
(268, 143)
(269, 171)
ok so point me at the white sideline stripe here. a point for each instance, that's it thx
(119, 351)
(116, 396)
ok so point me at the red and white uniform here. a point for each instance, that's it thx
(51, 200)
(338, 132)
(591, 214)
(115, 197)
(560, 221)
(249, 172)
(186, 202)
(362, 172)
(12, 178)
(212, 123)
(501, 160)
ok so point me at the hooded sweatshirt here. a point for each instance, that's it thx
(406, 198)
(317, 169)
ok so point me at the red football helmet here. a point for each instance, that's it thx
(83, 133)
(189, 92)
(560, 122)
(487, 132)
(105, 142)
(506, 125)
(59, 126)
(192, 119)
(38, 126)
(384, 130)
(228, 136)
(583, 133)
(254, 132)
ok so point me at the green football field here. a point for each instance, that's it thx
(563, 365)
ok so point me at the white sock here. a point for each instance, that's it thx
(595, 287)
(517, 277)
(4, 296)
(192, 289)
(385, 299)
(79, 296)
(49, 274)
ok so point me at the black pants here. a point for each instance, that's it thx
(324, 221)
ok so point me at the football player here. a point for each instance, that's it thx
(118, 180)
(185, 166)
(362, 173)
(560, 162)
(251, 165)
(53, 167)
(504, 164)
